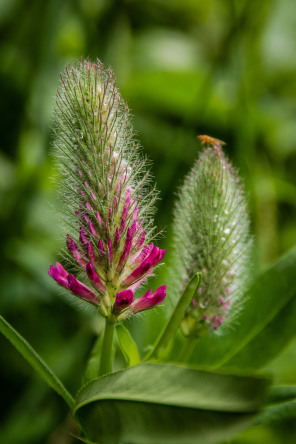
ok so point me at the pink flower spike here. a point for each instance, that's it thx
(81, 290)
(126, 250)
(123, 300)
(93, 196)
(149, 300)
(73, 249)
(116, 237)
(101, 247)
(59, 274)
(110, 212)
(94, 278)
(92, 230)
(110, 251)
(99, 219)
(115, 202)
(117, 188)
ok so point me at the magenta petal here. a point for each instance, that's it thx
(101, 247)
(124, 213)
(149, 300)
(83, 236)
(91, 253)
(59, 274)
(122, 226)
(219, 322)
(99, 219)
(73, 249)
(81, 290)
(89, 207)
(116, 237)
(92, 229)
(133, 227)
(137, 273)
(128, 197)
(141, 239)
(94, 278)
(126, 250)
(123, 300)
(61, 270)
(136, 214)
(143, 254)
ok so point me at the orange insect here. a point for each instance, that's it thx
(208, 140)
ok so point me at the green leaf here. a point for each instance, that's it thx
(81, 439)
(168, 404)
(278, 412)
(128, 346)
(269, 342)
(282, 393)
(268, 296)
(176, 318)
(32, 357)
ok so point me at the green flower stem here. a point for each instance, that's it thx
(187, 349)
(175, 320)
(107, 348)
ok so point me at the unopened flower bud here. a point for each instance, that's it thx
(211, 232)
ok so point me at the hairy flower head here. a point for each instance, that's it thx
(105, 186)
(211, 232)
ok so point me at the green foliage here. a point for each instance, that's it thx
(250, 344)
(174, 322)
(128, 346)
(167, 404)
(34, 359)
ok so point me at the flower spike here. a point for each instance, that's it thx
(103, 177)
(212, 236)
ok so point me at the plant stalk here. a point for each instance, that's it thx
(107, 349)
(187, 349)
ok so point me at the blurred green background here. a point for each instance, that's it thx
(223, 68)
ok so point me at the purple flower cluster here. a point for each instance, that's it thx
(108, 208)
